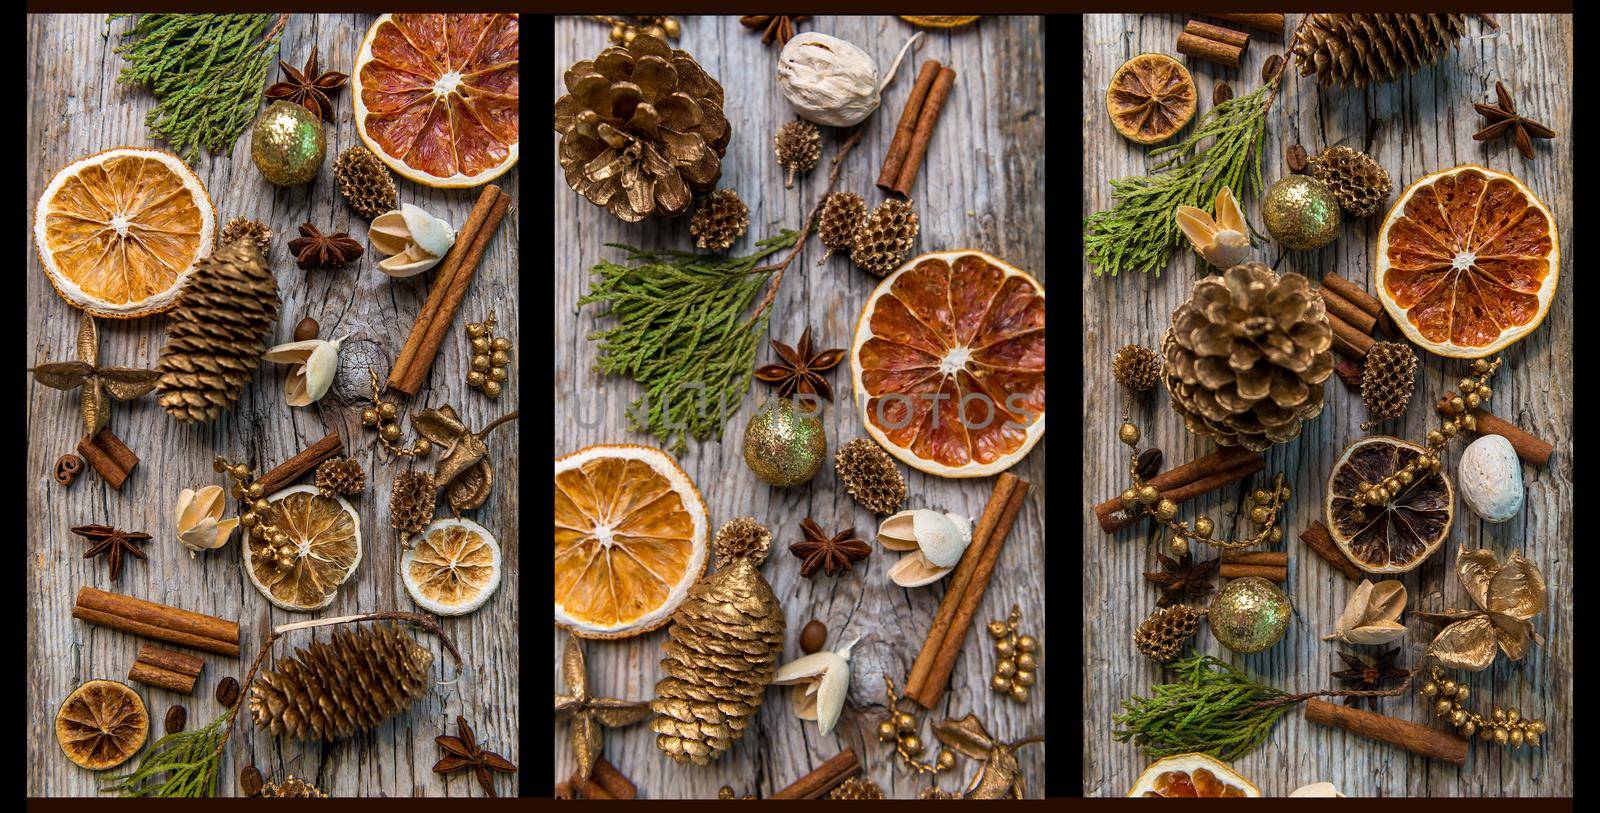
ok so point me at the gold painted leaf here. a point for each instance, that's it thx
(1469, 644)
(472, 488)
(61, 375)
(966, 736)
(439, 425)
(1517, 589)
(126, 383)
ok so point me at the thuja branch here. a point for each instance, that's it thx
(208, 71)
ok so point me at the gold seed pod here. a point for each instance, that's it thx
(1000, 683)
(912, 744)
(480, 345)
(1501, 737)
(1461, 692)
(421, 447)
(1472, 401)
(1166, 510)
(1005, 647)
(1129, 497)
(497, 373)
(1498, 714)
(1261, 496)
(1435, 437)
(369, 417)
(1020, 694)
(474, 329)
(1259, 515)
(1023, 679)
(492, 389)
(475, 379)
(946, 761)
(480, 363)
(1429, 689)
(1026, 662)
(390, 432)
(1203, 526)
(1469, 423)
(499, 358)
(998, 629)
(1442, 707)
(1512, 715)
(1484, 392)
(1516, 738)
(1129, 434)
(886, 731)
(1149, 495)
(1005, 667)
(1276, 535)
(904, 721)
(501, 343)
(1027, 643)
(388, 410)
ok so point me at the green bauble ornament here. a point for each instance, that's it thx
(287, 144)
(1249, 615)
(784, 445)
(1301, 212)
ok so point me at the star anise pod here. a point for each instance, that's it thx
(308, 88)
(779, 27)
(1364, 674)
(313, 249)
(1504, 120)
(832, 554)
(1181, 579)
(462, 753)
(114, 544)
(801, 369)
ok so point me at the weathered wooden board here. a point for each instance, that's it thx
(982, 186)
(75, 108)
(1419, 125)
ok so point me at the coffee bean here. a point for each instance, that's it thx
(1295, 157)
(1149, 464)
(250, 782)
(228, 692)
(1272, 68)
(177, 718)
(1222, 93)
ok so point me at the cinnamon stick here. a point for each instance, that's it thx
(1199, 476)
(157, 621)
(1529, 448)
(927, 694)
(1238, 39)
(1275, 558)
(1352, 293)
(449, 287)
(903, 131)
(1361, 342)
(1276, 573)
(920, 138)
(303, 463)
(1264, 22)
(611, 780)
(1414, 737)
(110, 457)
(1347, 310)
(155, 666)
(1202, 48)
(826, 777)
(1318, 539)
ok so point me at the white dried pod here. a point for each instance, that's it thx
(1490, 477)
(413, 240)
(1223, 240)
(827, 80)
(315, 360)
(199, 523)
(936, 542)
(1316, 790)
(821, 683)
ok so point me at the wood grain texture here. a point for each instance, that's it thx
(982, 186)
(1418, 125)
(75, 108)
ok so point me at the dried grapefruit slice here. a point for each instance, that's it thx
(436, 96)
(1467, 261)
(117, 232)
(948, 364)
(630, 539)
(1193, 775)
(1397, 536)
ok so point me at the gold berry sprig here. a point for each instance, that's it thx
(384, 416)
(259, 517)
(490, 355)
(1473, 392)
(1014, 659)
(900, 728)
(1502, 726)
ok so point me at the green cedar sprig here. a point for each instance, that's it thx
(681, 333)
(1213, 709)
(183, 765)
(207, 70)
(1139, 232)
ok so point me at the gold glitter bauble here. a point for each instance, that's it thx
(784, 445)
(1249, 615)
(1301, 213)
(287, 144)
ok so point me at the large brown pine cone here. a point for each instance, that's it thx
(218, 332)
(641, 129)
(353, 682)
(1369, 49)
(1246, 357)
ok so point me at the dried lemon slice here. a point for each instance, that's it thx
(319, 551)
(101, 724)
(1193, 775)
(453, 569)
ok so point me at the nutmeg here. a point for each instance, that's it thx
(812, 636)
(306, 330)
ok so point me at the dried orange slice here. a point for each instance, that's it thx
(319, 552)
(1467, 261)
(1193, 775)
(948, 364)
(101, 724)
(1400, 535)
(436, 96)
(453, 569)
(1150, 98)
(117, 232)
(630, 540)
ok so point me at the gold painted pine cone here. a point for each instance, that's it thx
(1369, 49)
(1136, 367)
(798, 146)
(1245, 359)
(841, 215)
(412, 500)
(721, 219)
(218, 332)
(1360, 185)
(1388, 377)
(885, 237)
(331, 690)
(341, 475)
(365, 183)
(1162, 636)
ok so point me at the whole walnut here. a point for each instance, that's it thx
(829, 81)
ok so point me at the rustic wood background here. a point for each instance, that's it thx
(75, 108)
(982, 186)
(1418, 125)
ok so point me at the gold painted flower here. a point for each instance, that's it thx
(1507, 596)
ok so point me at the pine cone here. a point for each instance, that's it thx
(722, 652)
(1136, 367)
(842, 213)
(885, 238)
(742, 537)
(799, 147)
(1161, 636)
(1387, 379)
(351, 683)
(641, 129)
(218, 332)
(291, 788)
(721, 219)
(857, 787)
(365, 183)
(869, 474)
(1368, 49)
(1246, 357)
(1357, 182)
(411, 501)
(341, 476)
(245, 228)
